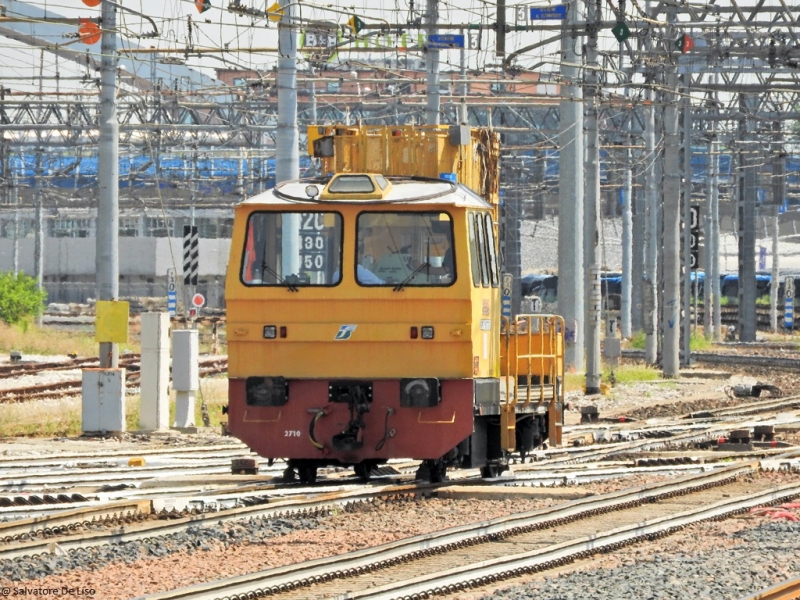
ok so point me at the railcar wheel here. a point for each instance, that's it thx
(490, 471)
(289, 474)
(307, 474)
(434, 471)
(437, 471)
(363, 470)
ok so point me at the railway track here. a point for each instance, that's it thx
(15, 546)
(482, 553)
(42, 475)
(730, 359)
(209, 366)
(787, 590)
(46, 519)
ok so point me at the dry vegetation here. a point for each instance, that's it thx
(61, 417)
(30, 339)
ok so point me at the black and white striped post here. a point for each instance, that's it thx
(191, 263)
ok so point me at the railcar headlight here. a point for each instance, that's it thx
(427, 332)
(266, 391)
(420, 393)
(270, 332)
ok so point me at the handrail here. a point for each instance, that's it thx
(546, 353)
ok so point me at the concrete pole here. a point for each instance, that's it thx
(240, 175)
(431, 65)
(15, 199)
(715, 275)
(312, 96)
(639, 255)
(38, 251)
(627, 245)
(463, 87)
(107, 253)
(747, 230)
(193, 185)
(591, 208)
(686, 321)
(627, 224)
(773, 289)
(710, 254)
(650, 295)
(286, 139)
(671, 231)
(570, 197)
(287, 159)
(778, 192)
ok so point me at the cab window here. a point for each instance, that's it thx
(492, 248)
(480, 234)
(408, 248)
(474, 250)
(293, 248)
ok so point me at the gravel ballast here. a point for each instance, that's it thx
(703, 564)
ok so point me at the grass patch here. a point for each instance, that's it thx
(638, 340)
(574, 382)
(31, 339)
(42, 418)
(699, 342)
(632, 374)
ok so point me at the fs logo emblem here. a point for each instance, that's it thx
(345, 331)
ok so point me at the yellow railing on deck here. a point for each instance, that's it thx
(531, 345)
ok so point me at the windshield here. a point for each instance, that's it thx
(293, 249)
(405, 249)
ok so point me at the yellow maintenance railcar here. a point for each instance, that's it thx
(364, 324)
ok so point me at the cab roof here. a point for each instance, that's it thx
(404, 190)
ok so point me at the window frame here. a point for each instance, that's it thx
(494, 270)
(358, 226)
(278, 284)
(474, 249)
(483, 257)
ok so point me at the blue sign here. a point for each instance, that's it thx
(553, 12)
(788, 315)
(172, 303)
(506, 308)
(442, 40)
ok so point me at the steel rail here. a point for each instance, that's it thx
(593, 454)
(25, 461)
(293, 576)
(486, 572)
(711, 358)
(787, 590)
(88, 476)
(73, 517)
(71, 387)
(148, 530)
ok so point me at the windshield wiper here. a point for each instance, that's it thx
(399, 287)
(290, 286)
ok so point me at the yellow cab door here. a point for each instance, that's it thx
(486, 294)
